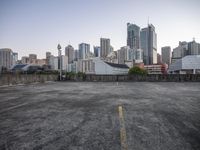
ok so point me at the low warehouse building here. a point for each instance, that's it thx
(98, 66)
(156, 68)
(187, 65)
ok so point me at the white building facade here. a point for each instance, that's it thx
(99, 66)
(64, 62)
(187, 65)
(53, 62)
(6, 58)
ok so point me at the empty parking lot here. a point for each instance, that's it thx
(84, 116)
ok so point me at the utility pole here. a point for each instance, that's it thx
(59, 55)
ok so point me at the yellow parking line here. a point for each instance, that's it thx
(123, 141)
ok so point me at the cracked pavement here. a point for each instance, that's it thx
(84, 116)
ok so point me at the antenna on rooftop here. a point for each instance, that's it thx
(193, 38)
(148, 20)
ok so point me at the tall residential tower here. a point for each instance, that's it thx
(69, 52)
(105, 47)
(133, 36)
(148, 39)
(84, 50)
(166, 54)
(6, 58)
(96, 51)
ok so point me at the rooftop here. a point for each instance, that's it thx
(117, 65)
(85, 116)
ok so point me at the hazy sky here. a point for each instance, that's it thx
(37, 26)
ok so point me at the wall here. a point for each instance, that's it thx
(101, 67)
(12, 79)
(148, 78)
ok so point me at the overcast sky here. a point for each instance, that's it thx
(37, 26)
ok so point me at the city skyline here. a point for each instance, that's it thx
(36, 27)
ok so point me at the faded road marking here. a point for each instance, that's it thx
(123, 141)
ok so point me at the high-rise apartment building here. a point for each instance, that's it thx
(180, 51)
(133, 36)
(148, 38)
(15, 58)
(193, 48)
(6, 58)
(105, 47)
(84, 50)
(111, 49)
(159, 59)
(122, 54)
(133, 55)
(69, 52)
(76, 55)
(64, 62)
(25, 60)
(32, 58)
(199, 47)
(53, 62)
(139, 56)
(185, 48)
(48, 55)
(97, 51)
(166, 54)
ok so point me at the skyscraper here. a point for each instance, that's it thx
(122, 54)
(76, 55)
(105, 47)
(180, 51)
(130, 54)
(199, 48)
(25, 60)
(96, 51)
(148, 39)
(166, 54)
(53, 62)
(15, 58)
(84, 50)
(6, 58)
(133, 36)
(159, 59)
(48, 55)
(111, 49)
(32, 58)
(69, 52)
(185, 48)
(193, 48)
(64, 62)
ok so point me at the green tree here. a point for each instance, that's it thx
(81, 75)
(137, 71)
(70, 75)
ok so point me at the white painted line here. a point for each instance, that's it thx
(123, 141)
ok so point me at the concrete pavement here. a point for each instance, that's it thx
(84, 116)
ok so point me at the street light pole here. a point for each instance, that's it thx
(59, 55)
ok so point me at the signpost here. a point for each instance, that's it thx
(59, 55)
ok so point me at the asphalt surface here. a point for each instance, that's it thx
(84, 116)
